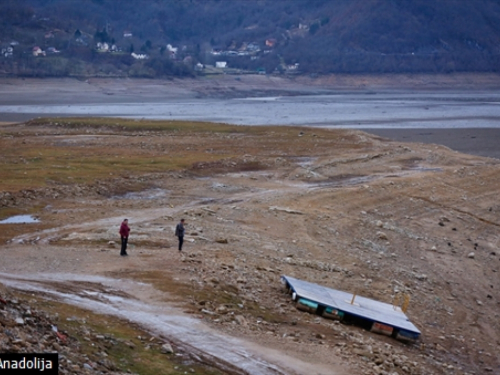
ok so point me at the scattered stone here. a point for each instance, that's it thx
(471, 255)
(222, 309)
(240, 319)
(130, 344)
(382, 236)
(287, 210)
(166, 348)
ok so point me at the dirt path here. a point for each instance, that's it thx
(32, 253)
(140, 303)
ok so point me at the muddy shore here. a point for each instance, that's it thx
(479, 138)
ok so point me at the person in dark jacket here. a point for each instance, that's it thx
(179, 232)
(124, 232)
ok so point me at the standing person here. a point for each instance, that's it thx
(124, 232)
(179, 232)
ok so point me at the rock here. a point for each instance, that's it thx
(222, 309)
(287, 210)
(19, 321)
(130, 344)
(112, 244)
(421, 277)
(221, 240)
(363, 353)
(240, 319)
(166, 348)
(471, 255)
(382, 236)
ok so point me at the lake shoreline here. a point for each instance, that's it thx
(470, 136)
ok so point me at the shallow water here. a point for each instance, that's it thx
(402, 109)
(20, 219)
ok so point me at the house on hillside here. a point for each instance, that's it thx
(172, 51)
(221, 64)
(127, 34)
(253, 47)
(271, 42)
(102, 47)
(7, 51)
(37, 51)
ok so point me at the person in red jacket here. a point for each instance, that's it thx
(124, 232)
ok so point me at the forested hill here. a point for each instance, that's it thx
(152, 38)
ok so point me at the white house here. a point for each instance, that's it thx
(103, 47)
(139, 56)
(221, 64)
(7, 52)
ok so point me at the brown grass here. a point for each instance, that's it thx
(53, 152)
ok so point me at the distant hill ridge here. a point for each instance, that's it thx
(173, 37)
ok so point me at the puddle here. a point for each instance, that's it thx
(20, 219)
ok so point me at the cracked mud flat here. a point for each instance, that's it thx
(339, 208)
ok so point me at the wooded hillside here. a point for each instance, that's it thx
(170, 37)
